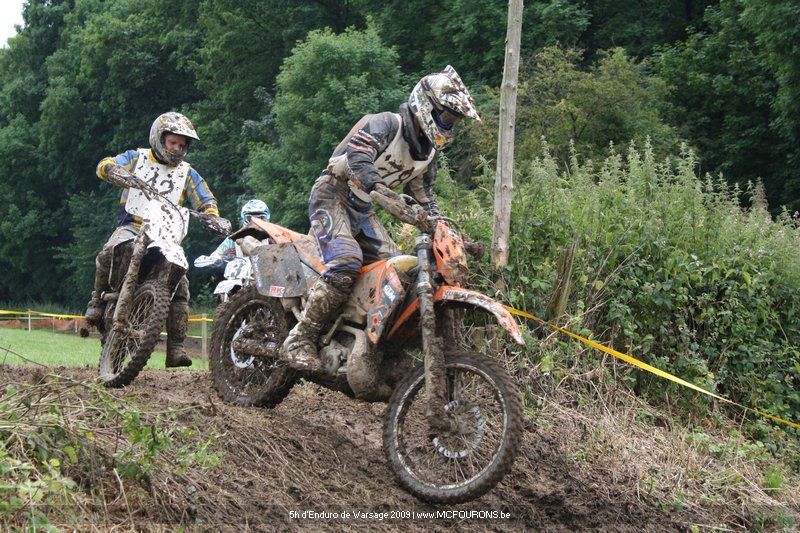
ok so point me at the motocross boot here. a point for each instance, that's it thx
(300, 348)
(95, 309)
(177, 324)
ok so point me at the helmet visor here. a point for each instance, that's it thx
(446, 118)
(248, 216)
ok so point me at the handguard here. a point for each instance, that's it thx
(119, 176)
(122, 177)
(218, 225)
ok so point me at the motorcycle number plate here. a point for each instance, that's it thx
(278, 271)
(166, 223)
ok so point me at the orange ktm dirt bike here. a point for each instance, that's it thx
(454, 418)
(143, 277)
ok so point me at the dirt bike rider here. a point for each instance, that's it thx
(228, 249)
(382, 151)
(170, 135)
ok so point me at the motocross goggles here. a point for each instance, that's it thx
(446, 118)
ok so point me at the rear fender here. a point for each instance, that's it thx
(462, 296)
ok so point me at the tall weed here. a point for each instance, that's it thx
(669, 267)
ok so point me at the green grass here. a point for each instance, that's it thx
(64, 349)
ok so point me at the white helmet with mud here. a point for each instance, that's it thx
(177, 124)
(438, 101)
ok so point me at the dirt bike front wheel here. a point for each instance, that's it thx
(125, 352)
(484, 412)
(246, 379)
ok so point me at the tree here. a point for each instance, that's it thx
(641, 27)
(469, 34)
(614, 100)
(504, 184)
(327, 83)
(726, 101)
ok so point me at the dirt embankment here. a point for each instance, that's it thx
(321, 452)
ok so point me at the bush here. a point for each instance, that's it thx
(669, 266)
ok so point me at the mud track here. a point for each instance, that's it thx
(319, 451)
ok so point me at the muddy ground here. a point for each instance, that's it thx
(321, 452)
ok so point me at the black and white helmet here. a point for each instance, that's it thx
(170, 122)
(438, 101)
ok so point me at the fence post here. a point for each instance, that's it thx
(29, 320)
(204, 329)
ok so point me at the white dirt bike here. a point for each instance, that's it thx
(143, 278)
(238, 274)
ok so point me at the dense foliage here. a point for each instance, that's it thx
(670, 264)
(668, 267)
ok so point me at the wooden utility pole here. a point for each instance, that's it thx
(504, 185)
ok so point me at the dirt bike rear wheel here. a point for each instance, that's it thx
(242, 379)
(125, 354)
(456, 466)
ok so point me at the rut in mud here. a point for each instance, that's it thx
(320, 451)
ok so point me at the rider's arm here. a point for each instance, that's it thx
(366, 144)
(199, 195)
(421, 188)
(226, 250)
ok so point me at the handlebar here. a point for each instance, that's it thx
(413, 214)
(405, 209)
(218, 225)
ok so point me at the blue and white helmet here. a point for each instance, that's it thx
(254, 208)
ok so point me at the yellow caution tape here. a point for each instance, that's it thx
(55, 315)
(38, 313)
(644, 366)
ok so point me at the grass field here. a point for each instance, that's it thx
(64, 349)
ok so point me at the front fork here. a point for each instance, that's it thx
(123, 308)
(432, 346)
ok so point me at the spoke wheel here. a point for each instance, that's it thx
(126, 351)
(484, 415)
(242, 378)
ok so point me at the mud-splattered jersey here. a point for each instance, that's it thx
(377, 150)
(195, 189)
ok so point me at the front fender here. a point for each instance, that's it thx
(447, 293)
(172, 252)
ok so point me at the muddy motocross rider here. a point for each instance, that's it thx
(382, 151)
(162, 167)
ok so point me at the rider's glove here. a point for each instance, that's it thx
(384, 190)
(432, 208)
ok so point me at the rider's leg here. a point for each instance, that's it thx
(177, 324)
(323, 303)
(330, 224)
(96, 306)
(376, 243)
(121, 237)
